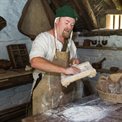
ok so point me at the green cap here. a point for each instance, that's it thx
(66, 11)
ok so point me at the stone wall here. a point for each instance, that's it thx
(113, 57)
(14, 96)
(10, 10)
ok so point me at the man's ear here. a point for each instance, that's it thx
(57, 20)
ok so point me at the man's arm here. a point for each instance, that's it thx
(47, 66)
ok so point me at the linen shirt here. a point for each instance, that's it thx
(45, 46)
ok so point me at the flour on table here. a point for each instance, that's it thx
(84, 113)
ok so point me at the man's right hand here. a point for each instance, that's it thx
(72, 70)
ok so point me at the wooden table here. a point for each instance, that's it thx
(11, 78)
(111, 112)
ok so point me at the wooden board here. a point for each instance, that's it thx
(18, 55)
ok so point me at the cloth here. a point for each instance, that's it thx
(49, 93)
(66, 10)
(44, 46)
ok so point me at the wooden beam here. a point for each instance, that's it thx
(90, 13)
(118, 4)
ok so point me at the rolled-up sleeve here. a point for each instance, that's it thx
(38, 47)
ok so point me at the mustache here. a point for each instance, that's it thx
(67, 33)
(67, 30)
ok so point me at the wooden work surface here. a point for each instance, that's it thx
(13, 73)
(105, 112)
(11, 78)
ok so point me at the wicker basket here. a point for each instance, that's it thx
(113, 98)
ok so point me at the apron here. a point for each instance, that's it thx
(49, 93)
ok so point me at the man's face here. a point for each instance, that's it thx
(66, 25)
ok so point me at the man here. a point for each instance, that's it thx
(53, 53)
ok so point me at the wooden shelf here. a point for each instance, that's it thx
(14, 114)
(108, 71)
(106, 32)
(104, 71)
(102, 48)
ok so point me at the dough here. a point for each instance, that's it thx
(86, 71)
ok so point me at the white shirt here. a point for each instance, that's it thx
(44, 46)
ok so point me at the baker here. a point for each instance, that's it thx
(53, 53)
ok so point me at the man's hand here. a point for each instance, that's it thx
(74, 61)
(72, 70)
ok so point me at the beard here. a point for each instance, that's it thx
(66, 34)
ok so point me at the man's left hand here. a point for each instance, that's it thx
(74, 61)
